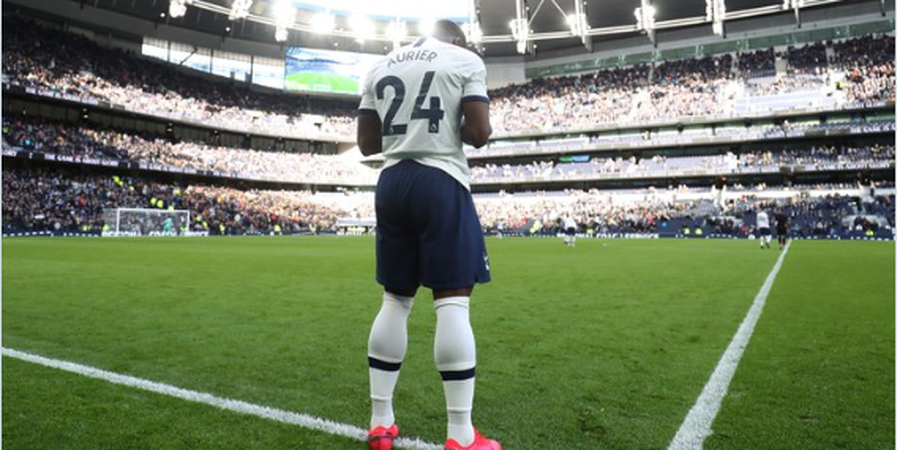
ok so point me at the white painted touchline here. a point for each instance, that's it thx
(698, 423)
(238, 406)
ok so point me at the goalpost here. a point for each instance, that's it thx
(145, 221)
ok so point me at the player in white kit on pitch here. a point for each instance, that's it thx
(762, 227)
(569, 228)
(419, 104)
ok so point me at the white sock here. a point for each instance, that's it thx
(387, 348)
(454, 356)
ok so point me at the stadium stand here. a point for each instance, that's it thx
(53, 62)
(62, 200)
(38, 135)
(859, 74)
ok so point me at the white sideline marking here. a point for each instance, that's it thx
(697, 426)
(265, 412)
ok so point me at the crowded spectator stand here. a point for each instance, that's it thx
(63, 197)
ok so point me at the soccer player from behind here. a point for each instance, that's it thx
(570, 228)
(762, 227)
(419, 104)
(781, 227)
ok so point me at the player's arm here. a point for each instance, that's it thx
(368, 125)
(368, 132)
(477, 126)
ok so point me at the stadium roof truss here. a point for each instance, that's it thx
(574, 16)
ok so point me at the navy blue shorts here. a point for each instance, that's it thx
(428, 233)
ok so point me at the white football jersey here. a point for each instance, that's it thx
(762, 220)
(417, 91)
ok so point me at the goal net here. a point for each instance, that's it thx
(145, 222)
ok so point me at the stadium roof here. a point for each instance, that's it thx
(547, 18)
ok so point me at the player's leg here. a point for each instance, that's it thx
(453, 258)
(454, 356)
(397, 265)
(386, 351)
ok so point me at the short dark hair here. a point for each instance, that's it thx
(448, 31)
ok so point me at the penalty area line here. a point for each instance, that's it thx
(697, 426)
(238, 406)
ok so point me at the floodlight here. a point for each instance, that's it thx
(646, 17)
(177, 8)
(519, 28)
(522, 47)
(323, 23)
(572, 20)
(396, 32)
(577, 24)
(240, 9)
(362, 27)
(281, 34)
(426, 27)
(284, 12)
(715, 12)
(473, 32)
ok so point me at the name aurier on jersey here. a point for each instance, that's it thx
(412, 55)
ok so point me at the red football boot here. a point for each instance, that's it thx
(381, 438)
(480, 443)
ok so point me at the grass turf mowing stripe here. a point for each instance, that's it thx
(237, 406)
(698, 423)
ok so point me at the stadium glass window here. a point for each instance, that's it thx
(197, 58)
(155, 48)
(231, 65)
(268, 72)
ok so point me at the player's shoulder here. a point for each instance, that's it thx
(456, 54)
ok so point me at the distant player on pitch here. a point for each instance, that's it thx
(167, 226)
(781, 227)
(419, 104)
(762, 227)
(569, 228)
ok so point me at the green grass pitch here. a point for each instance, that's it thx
(604, 346)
